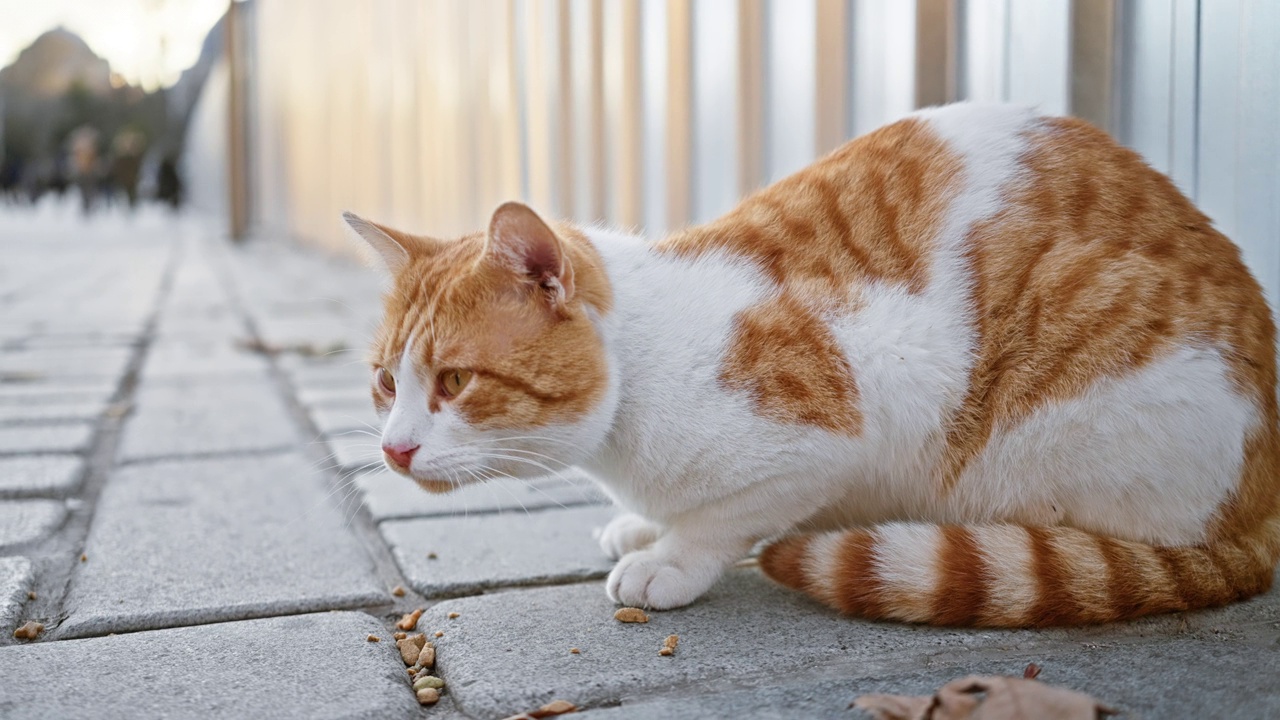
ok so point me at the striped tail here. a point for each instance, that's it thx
(1013, 576)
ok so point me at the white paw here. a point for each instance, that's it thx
(648, 579)
(627, 533)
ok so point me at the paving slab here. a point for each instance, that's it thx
(50, 364)
(26, 521)
(31, 394)
(207, 416)
(1145, 680)
(389, 496)
(28, 475)
(491, 551)
(176, 543)
(201, 358)
(744, 629)
(61, 437)
(353, 450)
(19, 414)
(338, 417)
(16, 579)
(307, 666)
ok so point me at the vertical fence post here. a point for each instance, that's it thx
(679, 112)
(750, 95)
(831, 75)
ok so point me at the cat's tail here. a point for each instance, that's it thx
(1014, 576)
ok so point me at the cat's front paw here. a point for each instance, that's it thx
(627, 533)
(650, 579)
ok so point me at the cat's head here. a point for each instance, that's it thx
(489, 362)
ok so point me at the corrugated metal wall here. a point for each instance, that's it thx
(657, 113)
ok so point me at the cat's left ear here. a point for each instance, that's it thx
(393, 247)
(521, 241)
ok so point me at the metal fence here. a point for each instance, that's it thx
(657, 113)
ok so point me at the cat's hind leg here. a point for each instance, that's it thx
(626, 533)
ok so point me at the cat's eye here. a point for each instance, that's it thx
(452, 382)
(387, 381)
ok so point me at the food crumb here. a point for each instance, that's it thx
(555, 707)
(669, 645)
(30, 631)
(84, 558)
(575, 651)
(630, 615)
(428, 696)
(399, 635)
(410, 648)
(439, 633)
(432, 556)
(453, 615)
(374, 638)
(410, 621)
(31, 594)
(398, 591)
(428, 681)
(427, 657)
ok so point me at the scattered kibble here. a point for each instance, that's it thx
(428, 696)
(630, 615)
(84, 558)
(555, 707)
(398, 591)
(410, 648)
(374, 638)
(410, 621)
(398, 635)
(439, 633)
(669, 645)
(432, 556)
(30, 631)
(453, 615)
(575, 651)
(31, 594)
(428, 681)
(427, 657)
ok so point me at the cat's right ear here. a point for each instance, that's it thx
(390, 246)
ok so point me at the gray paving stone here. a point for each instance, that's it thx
(200, 358)
(31, 394)
(50, 364)
(16, 578)
(16, 414)
(205, 541)
(333, 418)
(27, 475)
(207, 416)
(353, 450)
(63, 437)
(306, 666)
(314, 397)
(389, 496)
(490, 551)
(745, 629)
(26, 521)
(1151, 680)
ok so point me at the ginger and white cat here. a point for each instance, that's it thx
(978, 367)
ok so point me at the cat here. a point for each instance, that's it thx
(979, 367)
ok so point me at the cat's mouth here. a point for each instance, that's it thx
(439, 487)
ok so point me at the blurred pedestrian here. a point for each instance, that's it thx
(83, 149)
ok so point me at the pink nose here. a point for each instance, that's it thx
(400, 455)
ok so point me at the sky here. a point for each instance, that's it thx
(149, 42)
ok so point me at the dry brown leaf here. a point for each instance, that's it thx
(987, 698)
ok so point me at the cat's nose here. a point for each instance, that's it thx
(400, 455)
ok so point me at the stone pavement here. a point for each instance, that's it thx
(191, 504)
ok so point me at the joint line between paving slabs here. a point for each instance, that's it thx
(317, 452)
(53, 577)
